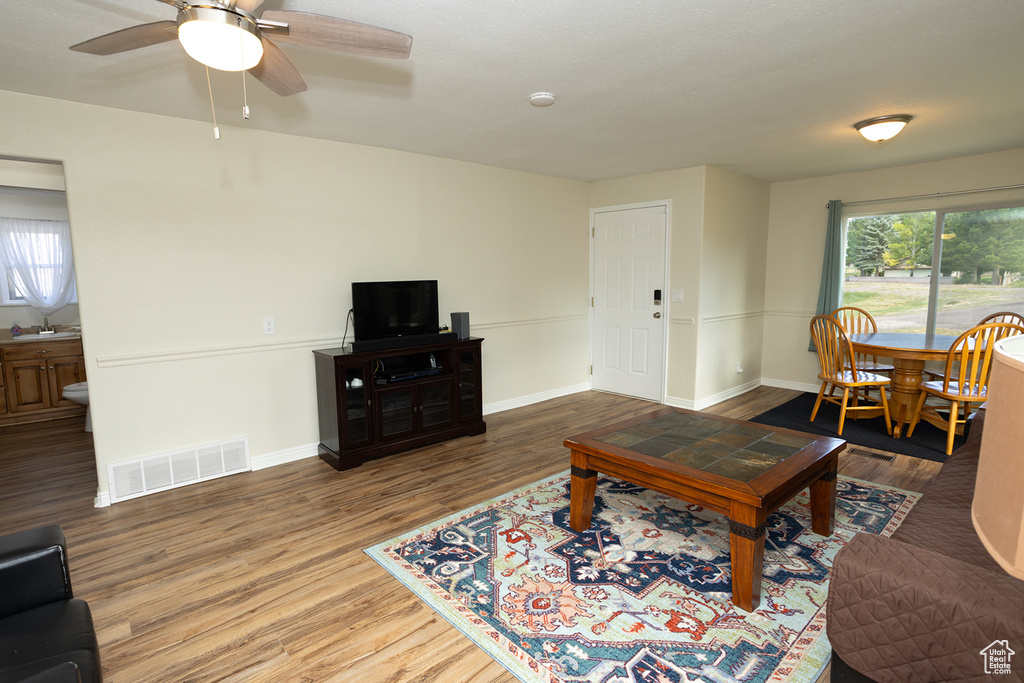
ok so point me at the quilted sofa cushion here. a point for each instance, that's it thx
(898, 612)
(923, 604)
(941, 520)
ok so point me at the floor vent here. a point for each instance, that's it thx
(872, 454)
(134, 478)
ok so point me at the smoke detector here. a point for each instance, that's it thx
(542, 99)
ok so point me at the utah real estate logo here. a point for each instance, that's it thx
(997, 657)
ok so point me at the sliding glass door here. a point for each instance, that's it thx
(935, 271)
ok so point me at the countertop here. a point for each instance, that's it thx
(29, 335)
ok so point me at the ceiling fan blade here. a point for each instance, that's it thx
(249, 6)
(276, 72)
(131, 38)
(315, 30)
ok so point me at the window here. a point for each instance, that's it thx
(938, 272)
(35, 264)
(9, 292)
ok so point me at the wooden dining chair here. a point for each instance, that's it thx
(839, 370)
(1001, 317)
(1004, 317)
(965, 380)
(858, 321)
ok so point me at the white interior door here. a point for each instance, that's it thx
(628, 328)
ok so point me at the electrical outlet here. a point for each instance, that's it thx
(268, 326)
(739, 368)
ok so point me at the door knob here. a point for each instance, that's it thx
(657, 314)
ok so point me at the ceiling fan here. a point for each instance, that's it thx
(227, 35)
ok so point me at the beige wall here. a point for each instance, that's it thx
(735, 238)
(796, 240)
(183, 244)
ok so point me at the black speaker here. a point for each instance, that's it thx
(460, 325)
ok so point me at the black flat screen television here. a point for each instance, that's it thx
(394, 309)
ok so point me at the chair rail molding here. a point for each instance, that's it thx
(725, 317)
(527, 321)
(309, 343)
(212, 352)
(789, 314)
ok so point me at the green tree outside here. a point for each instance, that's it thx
(984, 241)
(914, 234)
(868, 242)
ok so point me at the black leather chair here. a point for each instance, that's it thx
(46, 635)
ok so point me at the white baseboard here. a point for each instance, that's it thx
(266, 460)
(261, 462)
(708, 401)
(683, 403)
(521, 401)
(786, 384)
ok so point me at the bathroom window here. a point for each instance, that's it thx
(9, 292)
(36, 267)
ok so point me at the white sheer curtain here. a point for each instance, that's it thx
(38, 258)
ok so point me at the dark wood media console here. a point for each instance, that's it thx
(376, 403)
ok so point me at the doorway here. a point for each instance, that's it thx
(628, 287)
(32, 397)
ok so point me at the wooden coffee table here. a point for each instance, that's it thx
(739, 469)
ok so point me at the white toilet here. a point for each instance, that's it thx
(79, 393)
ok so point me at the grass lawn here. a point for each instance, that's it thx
(903, 307)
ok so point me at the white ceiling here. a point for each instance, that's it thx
(766, 88)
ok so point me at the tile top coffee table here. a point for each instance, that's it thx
(739, 469)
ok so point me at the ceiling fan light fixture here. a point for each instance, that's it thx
(882, 128)
(219, 38)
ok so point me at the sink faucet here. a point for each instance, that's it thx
(46, 325)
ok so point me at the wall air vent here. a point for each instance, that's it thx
(134, 478)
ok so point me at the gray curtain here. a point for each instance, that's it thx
(832, 263)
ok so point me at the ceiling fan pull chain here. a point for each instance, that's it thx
(245, 97)
(216, 130)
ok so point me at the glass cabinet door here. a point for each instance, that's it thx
(396, 411)
(355, 414)
(469, 392)
(436, 404)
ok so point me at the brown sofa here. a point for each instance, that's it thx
(923, 604)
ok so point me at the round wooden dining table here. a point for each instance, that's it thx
(908, 351)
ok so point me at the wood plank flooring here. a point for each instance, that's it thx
(261, 576)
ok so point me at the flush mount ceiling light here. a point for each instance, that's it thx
(882, 128)
(220, 38)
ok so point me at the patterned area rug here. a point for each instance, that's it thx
(644, 595)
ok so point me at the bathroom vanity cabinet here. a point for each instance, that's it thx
(376, 403)
(34, 377)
